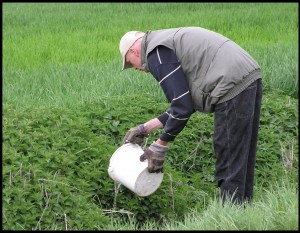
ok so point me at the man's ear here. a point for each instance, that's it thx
(135, 51)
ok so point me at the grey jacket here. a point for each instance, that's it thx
(216, 68)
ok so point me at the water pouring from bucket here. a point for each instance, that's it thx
(126, 168)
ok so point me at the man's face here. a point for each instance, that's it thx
(133, 57)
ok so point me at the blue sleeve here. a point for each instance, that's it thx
(166, 69)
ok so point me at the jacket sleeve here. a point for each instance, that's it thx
(166, 69)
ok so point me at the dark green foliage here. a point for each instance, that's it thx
(55, 162)
(278, 130)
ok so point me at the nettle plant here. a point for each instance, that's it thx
(55, 162)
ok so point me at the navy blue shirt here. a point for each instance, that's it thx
(166, 69)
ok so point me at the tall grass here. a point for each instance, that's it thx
(276, 209)
(67, 53)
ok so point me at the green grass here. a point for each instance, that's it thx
(67, 53)
(276, 209)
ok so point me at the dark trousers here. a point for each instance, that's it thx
(236, 125)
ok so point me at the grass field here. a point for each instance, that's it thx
(66, 106)
(67, 53)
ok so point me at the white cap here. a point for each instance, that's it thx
(125, 43)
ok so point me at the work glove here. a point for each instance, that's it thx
(136, 135)
(155, 154)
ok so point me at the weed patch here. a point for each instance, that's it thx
(55, 162)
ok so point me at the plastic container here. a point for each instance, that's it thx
(126, 168)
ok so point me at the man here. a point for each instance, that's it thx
(200, 70)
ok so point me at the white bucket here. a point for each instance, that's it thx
(126, 168)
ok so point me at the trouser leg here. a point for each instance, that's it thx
(253, 144)
(235, 139)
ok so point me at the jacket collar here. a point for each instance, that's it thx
(143, 52)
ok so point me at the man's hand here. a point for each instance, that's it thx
(155, 154)
(136, 135)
